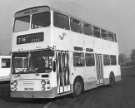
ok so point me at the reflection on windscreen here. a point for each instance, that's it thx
(38, 61)
(22, 23)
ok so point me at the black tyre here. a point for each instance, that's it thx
(112, 79)
(78, 87)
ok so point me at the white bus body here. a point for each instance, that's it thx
(5, 68)
(70, 59)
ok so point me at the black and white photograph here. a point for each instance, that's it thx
(67, 54)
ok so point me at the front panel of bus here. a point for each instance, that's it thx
(32, 58)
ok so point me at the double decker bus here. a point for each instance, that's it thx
(54, 54)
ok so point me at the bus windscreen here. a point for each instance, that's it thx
(32, 62)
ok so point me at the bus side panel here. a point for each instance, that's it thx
(91, 81)
(88, 74)
(4, 74)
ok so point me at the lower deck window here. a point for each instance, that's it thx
(106, 60)
(78, 59)
(113, 60)
(89, 58)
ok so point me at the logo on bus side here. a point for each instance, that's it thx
(61, 36)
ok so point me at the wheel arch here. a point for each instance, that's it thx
(78, 78)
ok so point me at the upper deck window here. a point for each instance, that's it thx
(22, 23)
(108, 35)
(75, 25)
(115, 37)
(87, 29)
(40, 20)
(61, 20)
(103, 33)
(96, 31)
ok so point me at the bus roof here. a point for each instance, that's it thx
(31, 10)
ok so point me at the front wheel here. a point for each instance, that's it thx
(78, 87)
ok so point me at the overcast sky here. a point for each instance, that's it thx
(115, 15)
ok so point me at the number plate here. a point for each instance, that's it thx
(28, 89)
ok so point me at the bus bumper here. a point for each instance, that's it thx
(34, 94)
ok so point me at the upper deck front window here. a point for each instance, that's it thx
(32, 18)
(40, 20)
(22, 23)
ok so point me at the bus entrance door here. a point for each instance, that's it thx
(99, 68)
(63, 82)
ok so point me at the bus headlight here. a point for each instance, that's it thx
(43, 82)
(13, 85)
(48, 86)
(45, 85)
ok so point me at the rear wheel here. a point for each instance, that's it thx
(78, 87)
(112, 79)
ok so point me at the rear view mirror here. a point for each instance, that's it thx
(54, 66)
